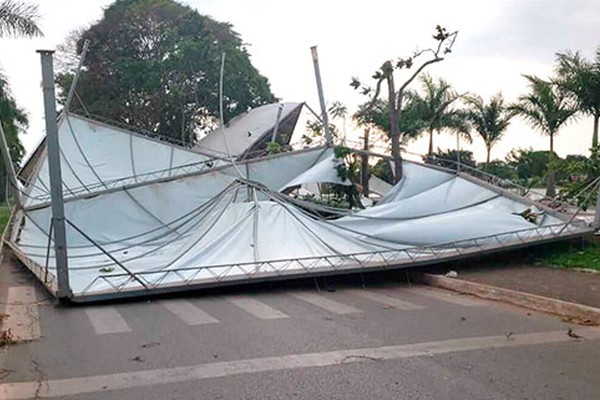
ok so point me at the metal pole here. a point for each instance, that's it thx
(221, 91)
(597, 216)
(53, 148)
(458, 152)
(9, 166)
(86, 43)
(276, 128)
(324, 117)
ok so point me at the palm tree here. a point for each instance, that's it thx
(547, 108)
(18, 19)
(489, 120)
(581, 79)
(434, 109)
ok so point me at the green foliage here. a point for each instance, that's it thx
(448, 158)
(583, 173)
(155, 65)
(531, 165)
(500, 169)
(14, 121)
(347, 169)
(19, 19)
(383, 170)
(4, 216)
(546, 107)
(581, 79)
(273, 148)
(489, 120)
(377, 115)
(434, 111)
(565, 255)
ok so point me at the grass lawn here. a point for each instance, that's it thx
(570, 256)
(4, 216)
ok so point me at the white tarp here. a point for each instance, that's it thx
(243, 131)
(95, 156)
(228, 223)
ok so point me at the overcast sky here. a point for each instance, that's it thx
(498, 42)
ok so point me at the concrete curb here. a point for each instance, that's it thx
(576, 312)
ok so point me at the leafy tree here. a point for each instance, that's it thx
(581, 79)
(18, 19)
(583, 174)
(155, 65)
(546, 108)
(501, 169)
(450, 158)
(489, 120)
(14, 121)
(385, 75)
(434, 109)
(383, 170)
(531, 165)
(377, 115)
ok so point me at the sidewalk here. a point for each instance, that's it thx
(558, 283)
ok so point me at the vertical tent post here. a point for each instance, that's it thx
(9, 166)
(276, 127)
(324, 117)
(84, 50)
(58, 210)
(597, 216)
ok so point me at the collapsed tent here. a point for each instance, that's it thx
(151, 217)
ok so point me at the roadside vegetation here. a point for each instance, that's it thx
(566, 255)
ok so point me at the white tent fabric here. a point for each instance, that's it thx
(95, 156)
(223, 223)
(245, 130)
(209, 228)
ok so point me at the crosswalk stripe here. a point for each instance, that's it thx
(23, 318)
(385, 300)
(256, 308)
(189, 313)
(106, 320)
(325, 303)
(442, 295)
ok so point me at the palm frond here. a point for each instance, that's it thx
(19, 19)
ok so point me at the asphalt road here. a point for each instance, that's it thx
(385, 341)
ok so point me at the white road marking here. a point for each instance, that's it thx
(107, 320)
(188, 312)
(443, 295)
(23, 318)
(385, 300)
(256, 308)
(131, 380)
(325, 303)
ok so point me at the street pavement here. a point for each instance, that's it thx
(386, 340)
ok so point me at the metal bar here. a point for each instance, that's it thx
(58, 210)
(86, 43)
(597, 216)
(324, 116)
(48, 252)
(276, 127)
(221, 92)
(9, 166)
(106, 253)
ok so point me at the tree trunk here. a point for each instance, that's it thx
(394, 133)
(595, 135)
(489, 150)
(430, 152)
(550, 190)
(364, 168)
